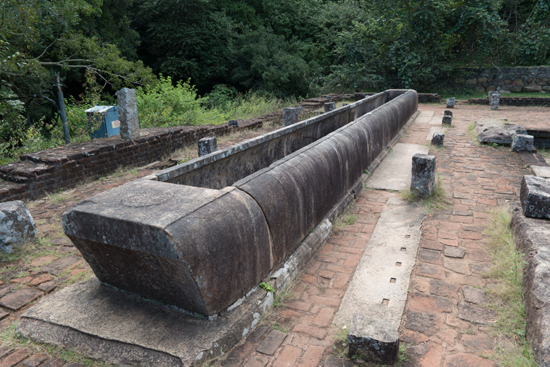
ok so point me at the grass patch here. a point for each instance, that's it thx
(10, 338)
(507, 298)
(345, 219)
(436, 201)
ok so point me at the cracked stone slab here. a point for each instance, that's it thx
(394, 173)
(541, 171)
(477, 314)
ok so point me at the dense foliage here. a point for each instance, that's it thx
(225, 48)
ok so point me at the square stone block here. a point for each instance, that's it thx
(535, 197)
(522, 143)
(207, 146)
(423, 174)
(438, 139)
(447, 120)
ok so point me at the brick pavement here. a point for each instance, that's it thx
(444, 284)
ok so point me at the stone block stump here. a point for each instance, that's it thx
(16, 225)
(494, 100)
(329, 106)
(448, 113)
(233, 123)
(128, 113)
(447, 120)
(522, 143)
(207, 146)
(535, 197)
(290, 115)
(376, 341)
(437, 139)
(423, 174)
(451, 102)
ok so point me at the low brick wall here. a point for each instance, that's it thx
(513, 79)
(514, 101)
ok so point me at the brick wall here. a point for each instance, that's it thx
(514, 101)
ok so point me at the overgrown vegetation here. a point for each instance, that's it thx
(513, 349)
(346, 218)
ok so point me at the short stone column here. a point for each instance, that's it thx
(329, 106)
(423, 174)
(534, 196)
(522, 143)
(290, 115)
(345, 104)
(451, 102)
(448, 113)
(376, 341)
(447, 120)
(128, 113)
(494, 100)
(437, 139)
(233, 123)
(16, 225)
(207, 146)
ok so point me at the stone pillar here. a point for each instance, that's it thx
(448, 113)
(233, 123)
(207, 146)
(451, 102)
(345, 104)
(290, 115)
(494, 100)
(447, 120)
(16, 225)
(330, 106)
(128, 113)
(522, 143)
(423, 174)
(376, 341)
(438, 139)
(534, 197)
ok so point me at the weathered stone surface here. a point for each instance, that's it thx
(421, 322)
(16, 225)
(374, 341)
(532, 88)
(329, 106)
(423, 174)
(186, 246)
(475, 295)
(19, 298)
(233, 123)
(58, 266)
(535, 197)
(128, 113)
(477, 314)
(207, 145)
(271, 343)
(290, 115)
(493, 131)
(494, 100)
(438, 139)
(124, 329)
(522, 143)
(451, 102)
(453, 251)
(448, 113)
(447, 120)
(532, 237)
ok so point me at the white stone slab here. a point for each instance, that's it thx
(394, 173)
(436, 120)
(424, 117)
(383, 274)
(541, 171)
(434, 130)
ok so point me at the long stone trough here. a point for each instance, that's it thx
(200, 236)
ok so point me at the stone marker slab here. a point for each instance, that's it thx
(128, 113)
(451, 102)
(378, 289)
(375, 341)
(122, 328)
(394, 173)
(535, 197)
(423, 174)
(447, 120)
(541, 171)
(522, 143)
(207, 145)
(438, 139)
(329, 106)
(290, 115)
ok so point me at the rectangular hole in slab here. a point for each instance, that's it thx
(403, 249)
(408, 236)
(385, 302)
(397, 264)
(393, 280)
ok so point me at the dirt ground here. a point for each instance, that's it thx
(442, 325)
